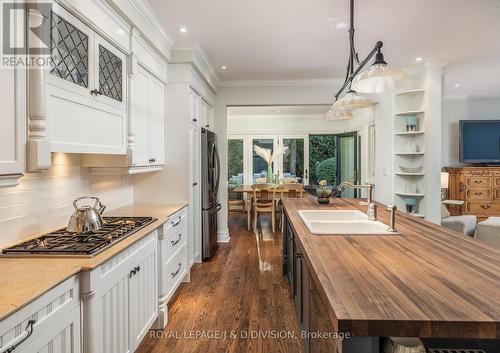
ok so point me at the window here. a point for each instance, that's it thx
(235, 166)
(259, 165)
(293, 159)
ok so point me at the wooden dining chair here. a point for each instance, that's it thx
(292, 191)
(264, 196)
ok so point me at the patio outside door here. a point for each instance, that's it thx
(347, 161)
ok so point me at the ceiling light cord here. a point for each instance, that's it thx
(354, 57)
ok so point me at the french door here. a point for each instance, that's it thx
(248, 167)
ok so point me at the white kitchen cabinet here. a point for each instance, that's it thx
(56, 316)
(13, 117)
(195, 194)
(146, 152)
(85, 89)
(210, 118)
(194, 102)
(120, 299)
(12, 125)
(149, 119)
(173, 260)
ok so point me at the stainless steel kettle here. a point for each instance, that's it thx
(86, 219)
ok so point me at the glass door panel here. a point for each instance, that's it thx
(293, 159)
(348, 162)
(235, 166)
(259, 165)
(322, 159)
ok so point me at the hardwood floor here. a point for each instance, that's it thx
(241, 291)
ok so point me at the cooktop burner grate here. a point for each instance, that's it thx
(62, 242)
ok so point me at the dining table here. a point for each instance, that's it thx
(248, 190)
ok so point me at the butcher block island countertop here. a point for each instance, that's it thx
(25, 279)
(426, 282)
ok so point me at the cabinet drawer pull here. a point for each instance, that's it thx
(137, 268)
(29, 332)
(478, 193)
(175, 242)
(485, 207)
(478, 181)
(175, 224)
(195, 120)
(173, 274)
(132, 273)
(96, 92)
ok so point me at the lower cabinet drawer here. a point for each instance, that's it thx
(47, 313)
(497, 181)
(497, 194)
(176, 269)
(176, 233)
(478, 194)
(483, 208)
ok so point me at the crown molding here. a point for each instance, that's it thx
(140, 14)
(282, 83)
(276, 116)
(195, 57)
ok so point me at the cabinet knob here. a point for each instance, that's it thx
(195, 120)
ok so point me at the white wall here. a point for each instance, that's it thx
(42, 202)
(455, 110)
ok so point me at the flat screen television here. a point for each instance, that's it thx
(480, 141)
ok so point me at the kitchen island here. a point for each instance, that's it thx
(426, 282)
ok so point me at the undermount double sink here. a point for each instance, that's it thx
(342, 222)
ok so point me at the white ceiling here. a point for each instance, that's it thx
(279, 110)
(298, 39)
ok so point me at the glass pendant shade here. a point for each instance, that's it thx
(352, 101)
(379, 78)
(338, 114)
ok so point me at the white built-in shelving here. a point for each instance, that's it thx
(409, 150)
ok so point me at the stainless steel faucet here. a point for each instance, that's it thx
(372, 208)
(392, 228)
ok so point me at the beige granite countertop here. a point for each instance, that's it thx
(25, 279)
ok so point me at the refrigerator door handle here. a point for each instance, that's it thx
(218, 171)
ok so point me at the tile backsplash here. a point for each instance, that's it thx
(43, 201)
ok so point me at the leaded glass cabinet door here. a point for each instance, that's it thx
(110, 73)
(72, 51)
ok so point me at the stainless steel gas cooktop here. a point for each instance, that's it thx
(63, 243)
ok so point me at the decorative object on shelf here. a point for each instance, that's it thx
(411, 123)
(269, 156)
(411, 169)
(411, 147)
(411, 204)
(323, 192)
(377, 79)
(445, 178)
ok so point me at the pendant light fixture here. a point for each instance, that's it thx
(377, 79)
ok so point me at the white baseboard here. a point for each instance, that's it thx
(223, 236)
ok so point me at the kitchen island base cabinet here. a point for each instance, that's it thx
(120, 299)
(318, 331)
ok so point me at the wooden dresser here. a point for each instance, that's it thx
(479, 187)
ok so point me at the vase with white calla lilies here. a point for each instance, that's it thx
(269, 156)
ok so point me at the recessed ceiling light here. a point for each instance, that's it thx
(223, 67)
(277, 111)
(183, 29)
(457, 84)
(418, 59)
(342, 25)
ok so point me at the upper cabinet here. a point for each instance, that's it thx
(145, 152)
(149, 117)
(86, 89)
(12, 125)
(201, 113)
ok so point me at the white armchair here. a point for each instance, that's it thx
(463, 224)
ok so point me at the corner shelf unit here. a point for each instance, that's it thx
(409, 147)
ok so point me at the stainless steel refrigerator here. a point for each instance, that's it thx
(210, 177)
